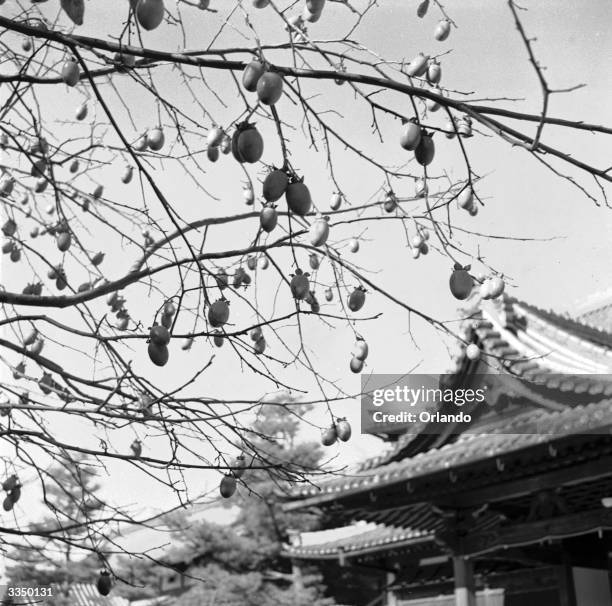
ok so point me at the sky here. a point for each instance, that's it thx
(566, 261)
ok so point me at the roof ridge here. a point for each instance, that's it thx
(599, 335)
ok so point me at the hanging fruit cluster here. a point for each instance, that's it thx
(356, 299)
(360, 353)
(465, 201)
(268, 84)
(298, 197)
(300, 285)
(104, 583)
(136, 448)
(419, 242)
(319, 232)
(275, 185)
(313, 10)
(340, 430)
(117, 306)
(217, 141)
(149, 13)
(228, 484)
(12, 487)
(218, 313)
(159, 336)
(71, 74)
(247, 143)
(461, 282)
(268, 218)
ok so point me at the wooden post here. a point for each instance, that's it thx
(298, 583)
(610, 570)
(567, 591)
(391, 598)
(465, 594)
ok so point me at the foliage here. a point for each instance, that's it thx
(224, 588)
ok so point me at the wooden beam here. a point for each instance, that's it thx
(515, 535)
(462, 495)
(587, 555)
(498, 491)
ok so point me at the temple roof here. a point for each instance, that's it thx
(354, 540)
(567, 360)
(530, 343)
(566, 356)
(528, 429)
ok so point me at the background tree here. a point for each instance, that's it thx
(240, 563)
(137, 288)
(261, 516)
(70, 496)
(141, 578)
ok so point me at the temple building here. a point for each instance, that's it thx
(513, 508)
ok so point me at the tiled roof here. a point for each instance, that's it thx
(416, 527)
(531, 342)
(558, 343)
(81, 594)
(358, 539)
(534, 344)
(527, 429)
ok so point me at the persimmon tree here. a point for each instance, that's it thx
(158, 164)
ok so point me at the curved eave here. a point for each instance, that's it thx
(382, 538)
(468, 449)
(532, 343)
